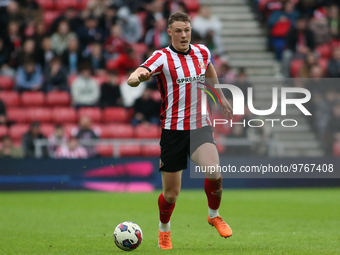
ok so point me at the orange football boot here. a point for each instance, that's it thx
(164, 240)
(223, 228)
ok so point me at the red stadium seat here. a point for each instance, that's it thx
(117, 131)
(82, 4)
(105, 130)
(46, 4)
(10, 98)
(3, 130)
(147, 131)
(60, 98)
(192, 5)
(335, 43)
(71, 78)
(115, 114)
(50, 16)
(129, 150)
(64, 4)
(94, 113)
(140, 48)
(68, 128)
(151, 150)
(18, 115)
(323, 62)
(111, 64)
(295, 67)
(17, 131)
(6, 83)
(47, 129)
(64, 115)
(105, 150)
(39, 114)
(32, 99)
(324, 50)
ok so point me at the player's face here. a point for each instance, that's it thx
(180, 33)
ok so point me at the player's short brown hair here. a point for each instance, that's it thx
(178, 16)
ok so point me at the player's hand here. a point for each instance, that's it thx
(145, 75)
(227, 109)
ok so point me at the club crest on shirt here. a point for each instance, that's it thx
(202, 65)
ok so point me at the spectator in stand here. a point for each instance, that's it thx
(71, 150)
(226, 73)
(108, 19)
(323, 114)
(334, 21)
(27, 52)
(97, 59)
(131, 25)
(158, 37)
(56, 139)
(309, 61)
(280, 22)
(72, 57)
(110, 92)
(126, 61)
(12, 13)
(172, 6)
(307, 7)
(242, 81)
(85, 91)
(8, 150)
(146, 109)
(334, 64)
(115, 44)
(15, 38)
(3, 116)
(28, 140)
(154, 12)
(334, 126)
(39, 33)
(299, 42)
(209, 27)
(29, 77)
(90, 33)
(4, 53)
(98, 7)
(55, 76)
(320, 28)
(45, 53)
(70, 15)
(60, 39)
(84, 132)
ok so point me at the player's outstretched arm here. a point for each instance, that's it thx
(141, 74)
(212, 76)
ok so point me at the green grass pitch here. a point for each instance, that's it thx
(266, 221)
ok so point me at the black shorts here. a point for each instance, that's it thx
(176, 145)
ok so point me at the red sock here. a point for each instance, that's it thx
(165, 209)
(213, 189)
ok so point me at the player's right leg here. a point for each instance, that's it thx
(166, 202)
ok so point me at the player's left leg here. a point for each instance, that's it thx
(206, 155)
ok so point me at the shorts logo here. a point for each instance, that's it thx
(202, 65)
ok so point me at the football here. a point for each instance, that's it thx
(128, 235)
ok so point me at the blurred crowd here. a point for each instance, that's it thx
(88, 48)
(305, 36)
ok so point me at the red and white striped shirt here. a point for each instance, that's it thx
(178, 74)
(65, 152)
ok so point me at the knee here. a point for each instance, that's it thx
(171, 196)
